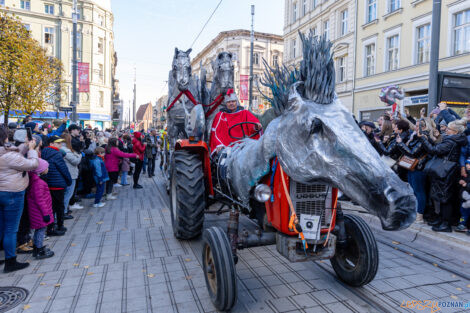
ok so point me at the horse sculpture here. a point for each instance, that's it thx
(315, 139)
(180, 81)
(223, 80)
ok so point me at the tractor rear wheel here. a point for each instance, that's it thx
(356, 262)
(187, 195)
(219, 268)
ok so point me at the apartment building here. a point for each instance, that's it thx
(50, 23)
(336, 21)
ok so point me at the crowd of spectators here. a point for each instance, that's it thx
(45, 172)
(414, 147)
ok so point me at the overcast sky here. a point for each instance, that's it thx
(147, 31)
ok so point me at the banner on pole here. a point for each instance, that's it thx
(83, 77)
(244, 83)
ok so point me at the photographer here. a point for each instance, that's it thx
(13, 183)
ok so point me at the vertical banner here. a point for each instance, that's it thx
(83, 77)
(244, 83)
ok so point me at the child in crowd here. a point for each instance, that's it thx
(39, 209)
(100, 175)
(465, 208)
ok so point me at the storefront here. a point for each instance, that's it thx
(414, 104)
(101, 121)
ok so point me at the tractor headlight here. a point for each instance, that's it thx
(262, 193)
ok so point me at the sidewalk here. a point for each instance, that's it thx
(415, 231)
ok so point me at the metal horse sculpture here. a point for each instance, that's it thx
(180, 80)
(223, 80)
(389, 95)
(315, 139)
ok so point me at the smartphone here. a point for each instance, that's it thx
(29, 133)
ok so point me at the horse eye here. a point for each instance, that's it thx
(316, 126)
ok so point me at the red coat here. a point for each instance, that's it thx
(39, 202)
(112, 160)
(137, 146)
(222, 123)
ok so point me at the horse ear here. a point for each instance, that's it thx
(295, 99)
(189, 51)
(176, 51)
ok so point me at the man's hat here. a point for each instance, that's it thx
(367, 123)
(230, 96)
(31, 125)
(56, 139)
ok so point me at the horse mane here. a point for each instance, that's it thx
(278, 79)
(317, 69)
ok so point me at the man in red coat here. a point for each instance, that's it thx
(226, 118)
(138, 148)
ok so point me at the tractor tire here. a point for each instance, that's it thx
(357, 261)
(187, 195)
(219, 268)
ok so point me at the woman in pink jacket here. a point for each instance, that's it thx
(39, 209)
(111, 161)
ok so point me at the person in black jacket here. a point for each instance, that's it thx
(78, 143)
(444, 191)
(414, 148)
(58, 178)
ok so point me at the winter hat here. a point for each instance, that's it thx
(43, 165)
(20, 135)
(31, 125)
(12, 125)
(367, 123)
(443, 123)
(230, 96)
(467, 161)
(436, 111)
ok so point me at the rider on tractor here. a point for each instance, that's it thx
(224, 127)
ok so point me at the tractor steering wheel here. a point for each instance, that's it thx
(243, 130)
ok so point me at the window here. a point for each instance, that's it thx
(25, 5)
(326, 29)
(344, 22)
(294, 47)
(275, 59)
(49, 35)
(314, 31)
(294, 12)
(314, 3)
(461, 32)
(100, 72)
(27, 26)
(79, 45)
(371, 10)
(392, 53)
(100, 45)
(423, 44)
(79, 13)
(393, 5)
(369, 56)
(342, 69)
(304, 7)
(256, 58)
(100, 20)
(2, 3)
(49, 9)
(101, 98)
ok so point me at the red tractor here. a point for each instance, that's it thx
(305, 221)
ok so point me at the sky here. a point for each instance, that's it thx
(146, 33)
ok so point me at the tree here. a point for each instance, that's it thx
(29, 78)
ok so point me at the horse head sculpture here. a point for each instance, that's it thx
(316, 139)
(223, 74)
(180, 80)
(181, 68)
(389, 95)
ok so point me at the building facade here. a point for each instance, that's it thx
(266, 46)
(334, 19)
(50, 23)
(144, 117)
(393, 47)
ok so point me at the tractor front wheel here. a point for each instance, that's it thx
(219, 268)
(187, 194)
(356, 262)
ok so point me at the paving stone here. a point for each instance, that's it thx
(323, 297)
(304, 301)
(338, 307)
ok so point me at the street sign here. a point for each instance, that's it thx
(65, 109)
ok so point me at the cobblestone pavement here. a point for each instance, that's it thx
(123, 258)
